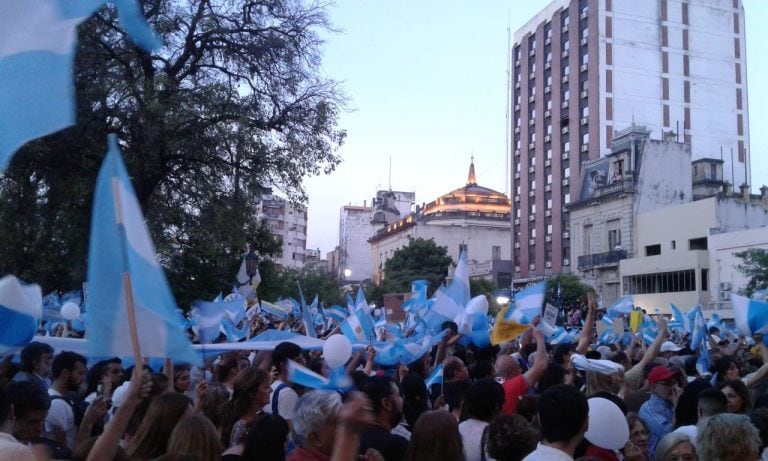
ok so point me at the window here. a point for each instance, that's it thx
(653, 250)
(585, 58)
(495, 253)
(533, 136)
(585, 111)
(567, 172)
(533, 233)
(697, 244)
(533, 185)
(549, 179)
(705, 280)
(713, 172)
(566, 70)
(566, 45)
(585, 138)
(566, 95)
(549, 131)
(661, 282)
(533, 208)
(549, 104)
(614, 239)
(567, 198)
(549, 152)
(587, 239)
(549, 229)
(549, 56)
(584, 32)
(567, 146)
(673, 244)
(533, 66)
(549, 80)
(566, 19)
(549, 203)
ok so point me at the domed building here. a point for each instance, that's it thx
(471, 217)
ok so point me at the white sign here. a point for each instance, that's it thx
(550, 315)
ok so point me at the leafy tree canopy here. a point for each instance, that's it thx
(573, 293)
(286, 285)
(233, 103)
(754, 265)
(420, 260)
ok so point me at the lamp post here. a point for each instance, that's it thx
(251, 264)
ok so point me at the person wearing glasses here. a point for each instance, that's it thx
(658, 413)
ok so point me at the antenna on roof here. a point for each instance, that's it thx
(390, 173)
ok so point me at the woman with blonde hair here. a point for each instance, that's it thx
(728, 437)
(197, 436)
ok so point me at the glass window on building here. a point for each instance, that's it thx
(495, 253)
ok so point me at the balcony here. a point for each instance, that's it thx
(600, 260)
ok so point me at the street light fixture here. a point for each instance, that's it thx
(251, 263)
(347, 273)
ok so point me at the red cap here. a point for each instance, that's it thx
(661, 373)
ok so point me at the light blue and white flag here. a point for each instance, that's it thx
(306, 317)
(527, 304)
(704, 362)
(209, 316)
(299, 374)
(361, 302)
(336, 313)
(232, 331)
(751, 315)
(37, 49)
(405, 350)
(679, 323)
(21, 307)
(449, 301)
(122, 251)
(359, 328)
(277, 310)
(418, 300)
(699, 328)
(715, 322)
(436, 377)
(561, 336)
(623, 305)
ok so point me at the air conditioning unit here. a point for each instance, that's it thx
(564, 130)
(517, 175)
(517, 151)
(548, 188)
(725, 296)
(547, 65)
(585, 147)
(531, 145)
(531, 122)
(547, 41)
(584, 120)
(725, 286)
(547, 89)
(517, 268)
(532, 267)
(566, 235)
(583, 68)
(583, 94)
(547, 138)
(548, 162)
(531, 193)
(517, 244)
(517, 107)
(532, 75)
(564, 54)
(532, 98)
(565, 155)
(583, 40)
(548, 213)
(566, 262)
(547, 113)
(517, 198)
(531, 217)
(566, 182)
(532, 53)
(565, 28)
(517, 221)
(517, 130)
(517, 85)
(548, 264)
(583, 14)
(564, 105)
(517, 63)
(565, 79)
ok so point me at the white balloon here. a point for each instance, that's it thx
(607, 424)
(70, 311)
(337, 350)
(477, 305)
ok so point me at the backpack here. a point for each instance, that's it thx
(78, 406)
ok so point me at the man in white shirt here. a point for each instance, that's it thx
(283, 399)
(68, 374)
(564, 418)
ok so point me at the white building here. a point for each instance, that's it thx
(473, 217)
(289, 225)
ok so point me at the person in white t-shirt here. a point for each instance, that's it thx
(283, 399)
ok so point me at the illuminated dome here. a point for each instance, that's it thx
(471, 199)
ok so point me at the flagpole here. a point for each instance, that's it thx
(127, 286)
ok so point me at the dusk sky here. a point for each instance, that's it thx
(427, 87)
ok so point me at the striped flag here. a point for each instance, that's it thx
(359, 328)
(21, 307)
(751, 315)
(623, 305)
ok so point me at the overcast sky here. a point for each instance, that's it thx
(427, 86)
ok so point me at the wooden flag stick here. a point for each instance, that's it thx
(131, 314)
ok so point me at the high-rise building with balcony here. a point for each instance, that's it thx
(582, 69)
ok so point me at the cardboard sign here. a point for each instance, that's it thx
(550, 315)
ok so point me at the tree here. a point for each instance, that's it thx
(232, 104)
(573, 293)
(286, 285)
(420, 260)
(754, 265)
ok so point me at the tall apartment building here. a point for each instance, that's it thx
(583, 68)
(289, 225)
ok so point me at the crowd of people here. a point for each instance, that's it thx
(522, 400)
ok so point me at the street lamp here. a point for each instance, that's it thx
(251, 263)
(347, 273)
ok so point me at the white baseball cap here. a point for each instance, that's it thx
(669, 346)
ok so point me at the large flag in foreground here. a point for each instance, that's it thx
(122, 257)
(37, 48)
(449, 301)
(21, 307)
